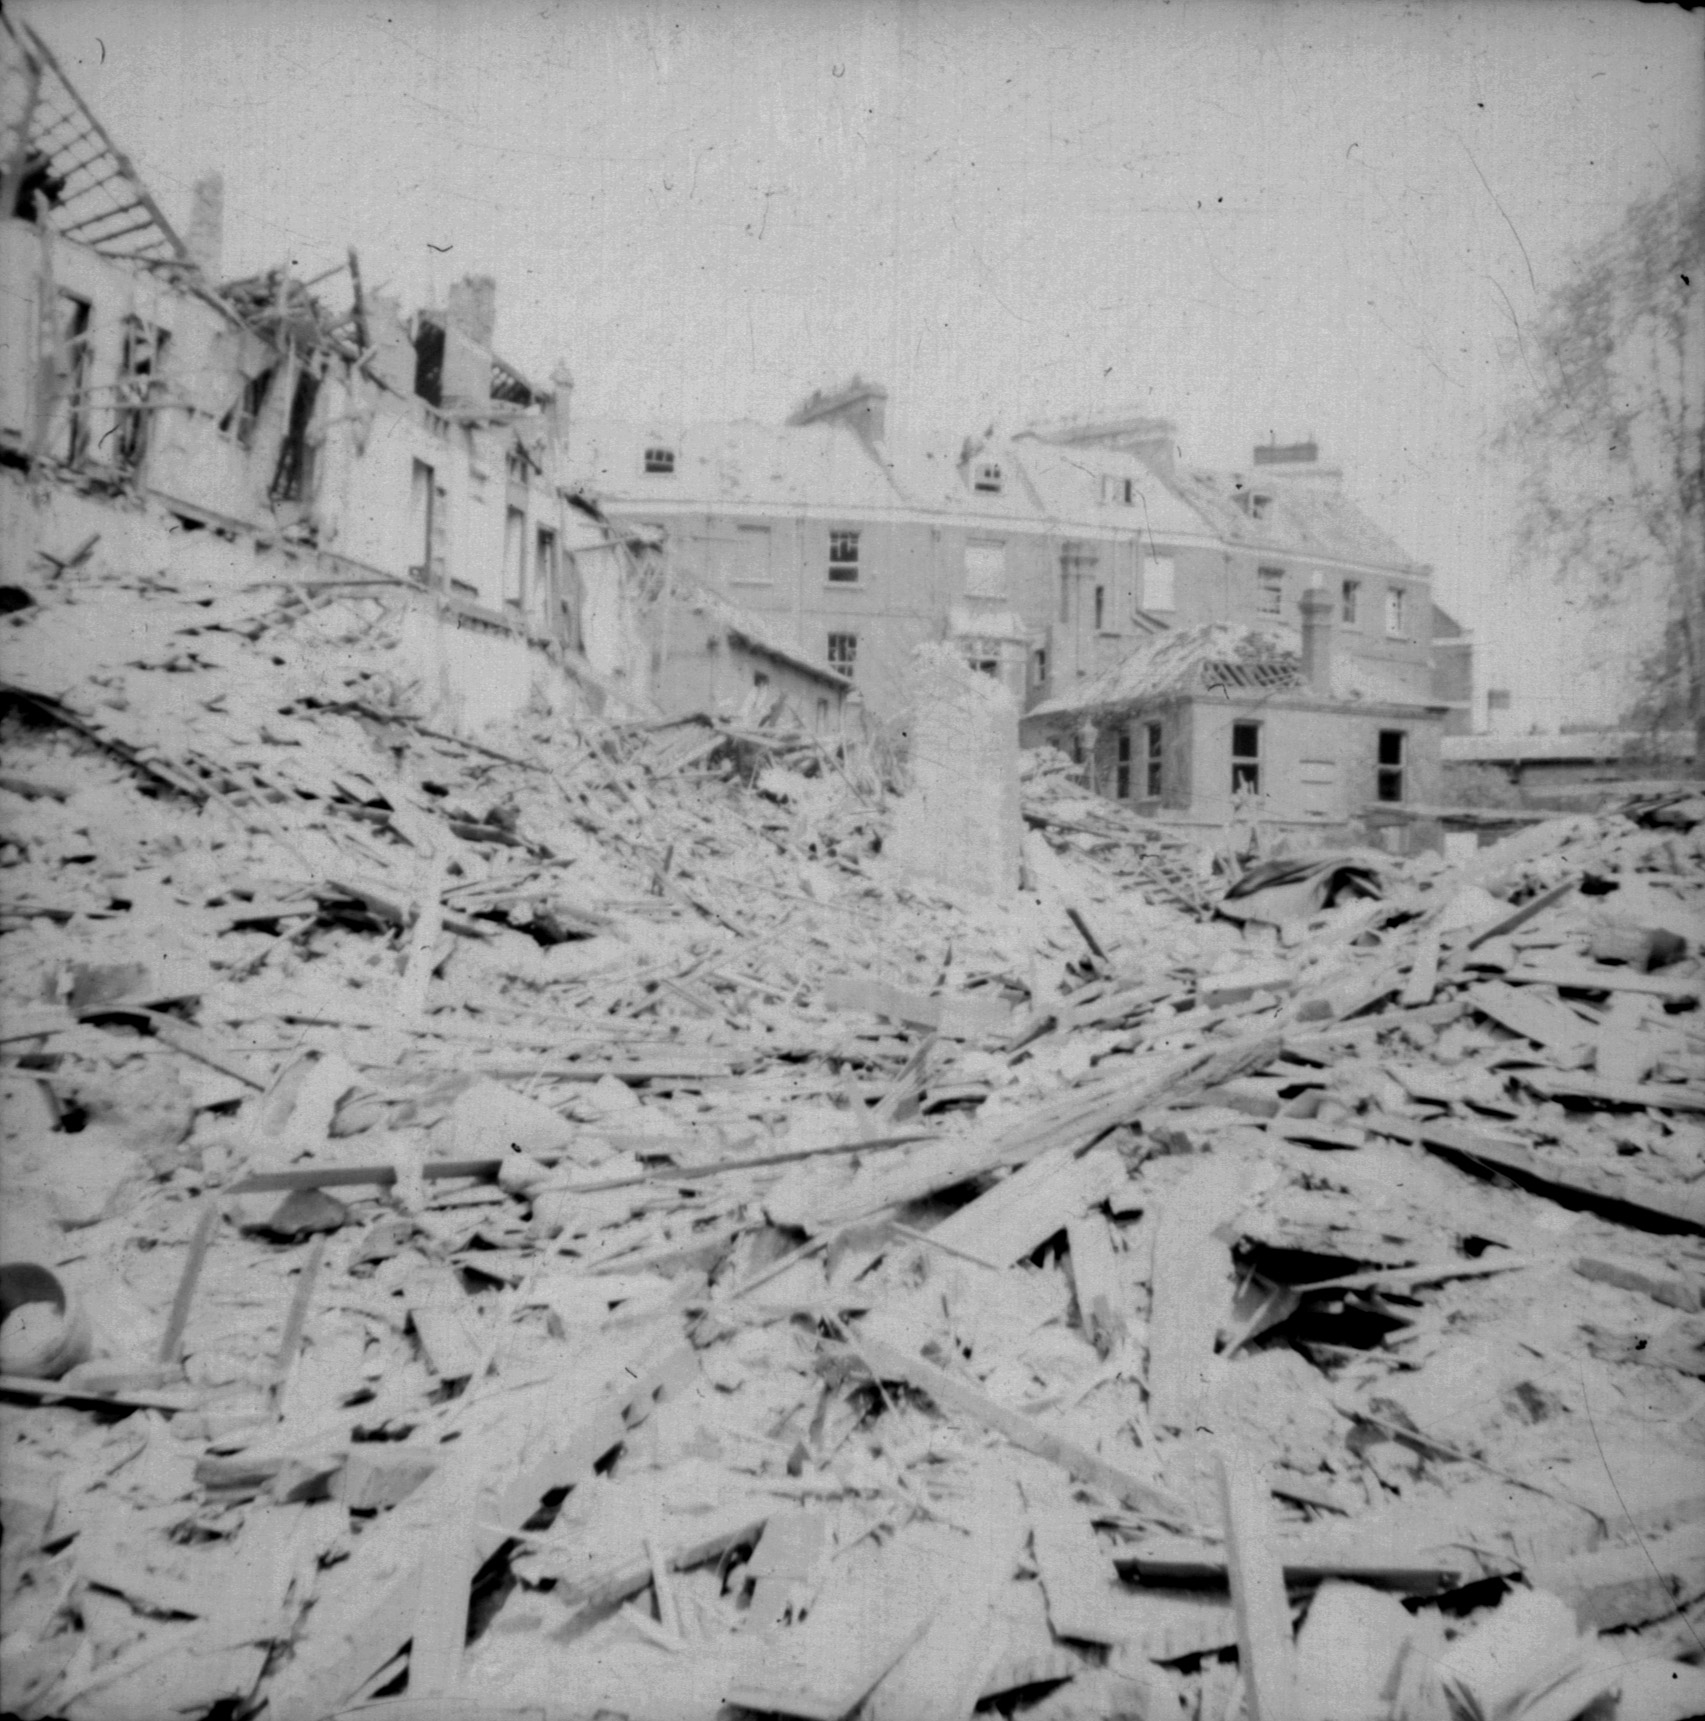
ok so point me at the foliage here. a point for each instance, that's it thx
(1610, 440)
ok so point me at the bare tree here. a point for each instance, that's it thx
(1610, 441)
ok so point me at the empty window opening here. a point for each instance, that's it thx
(1122, 777)
(1392, 747)
(986, 476)
(760, 678)
(843, 559)
(293, 478)
(1039, 666)
(74, 351)
(1246, 758)
(514, 559)
(987, 665)
(1270, 590)
(422, 499)
(1152, 745)
(659, 459)
(1394, 610)
(843, 652)
(429, 363)
(1120, 490)
(1351, 602)
(1100, 608)
(138, 387)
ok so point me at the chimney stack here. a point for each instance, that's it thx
(1318, 626)
(205, 241)
(473, 309)
(861, 406)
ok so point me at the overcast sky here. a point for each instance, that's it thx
(1253, 218)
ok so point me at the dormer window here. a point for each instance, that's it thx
(986, 476)
(1120, 490)
(1259, 503)
(660, 460)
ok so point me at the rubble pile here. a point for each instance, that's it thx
(561, 1226)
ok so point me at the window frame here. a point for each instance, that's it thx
(840, 561)
(1269, 582)
(1122, 766)
(1395, 604)
(1349, 602)
(842, 655)
(1246, 764)
(1154, 761)
(657, 460)
(987, 478)
(1390, 774)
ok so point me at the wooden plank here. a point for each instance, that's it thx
(1651, 1281)
(485, 1169)
(784, 1562)
(1302, 1569)
(1096, 1281)
(875, 1605)
(440, 1629)
(686, 1544)
(1623, 1052)
(1506, 923)
(887, 1362)
(1005, 1223)
(1423, 977)
(961, 1015)
(1534, 1018)
(423, 939)
(1585, 977)
(1077, 1576)
(1190, 1288)
(171, 1341)
(1629, 1200)
(1073, 1121)
(1666, 1096)
(941, 1677)
(435, 1310)
(366, 1606)
(1266, 1653)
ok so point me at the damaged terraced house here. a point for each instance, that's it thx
(272, 424)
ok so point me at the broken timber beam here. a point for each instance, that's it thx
(887, 1362)
(1632, 1201)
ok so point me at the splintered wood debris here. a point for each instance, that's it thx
(557, 1226)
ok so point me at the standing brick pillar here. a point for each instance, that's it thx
(959, 825)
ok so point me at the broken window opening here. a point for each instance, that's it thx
(422, 509)
(1154, 759)
(1270, 595)
(1100, 608)
(75, 343)
(843, 559)
(1351, 595)
(244, 416)
(843, 652)
(1122, 777)
(1039, 667)
(1389, 774)
(1246, 758)
(293, 479)
(986, 477)
(138, 385)
(429, 362)
(660, 461)
(760, 678)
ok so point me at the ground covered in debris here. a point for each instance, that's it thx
(561, 1227)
